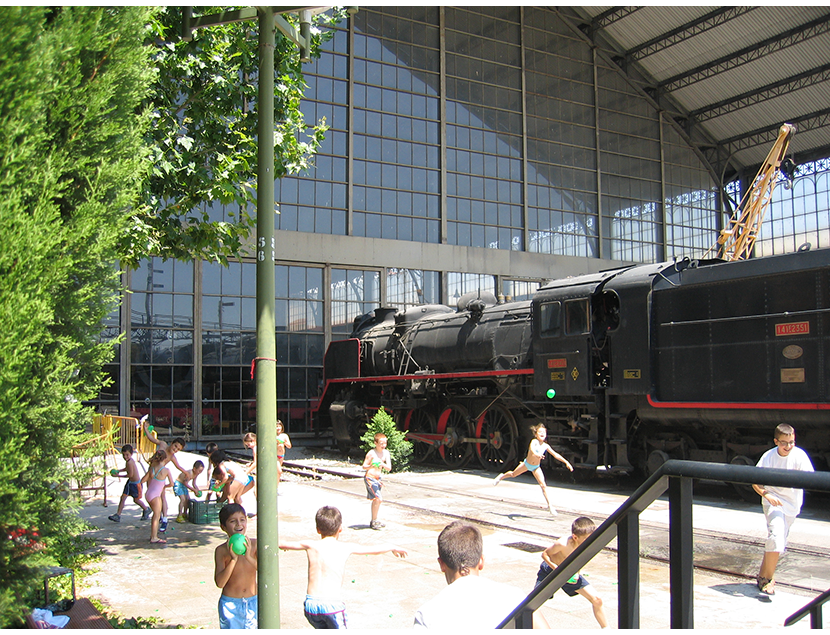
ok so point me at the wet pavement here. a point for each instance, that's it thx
(174, 582)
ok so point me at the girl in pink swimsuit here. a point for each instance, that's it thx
(155, 478)
(535, 453)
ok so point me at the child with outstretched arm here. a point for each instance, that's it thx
(327, 557)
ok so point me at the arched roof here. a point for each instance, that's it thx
(728, 76)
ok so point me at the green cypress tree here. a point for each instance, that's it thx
(72, 84)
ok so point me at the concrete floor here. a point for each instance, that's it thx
(174, 582)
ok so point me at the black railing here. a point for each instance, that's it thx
(813, 609)
(624, 524)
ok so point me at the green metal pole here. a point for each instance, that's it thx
(266, 365)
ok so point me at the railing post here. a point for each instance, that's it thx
(681, 552)
(628, 571)
(525, 619)
(815, 617)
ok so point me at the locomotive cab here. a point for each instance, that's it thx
(572, 323)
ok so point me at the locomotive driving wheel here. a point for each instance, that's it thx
(455, 426)
(420, 426)
(498, 427)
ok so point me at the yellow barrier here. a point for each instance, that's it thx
(123, 431)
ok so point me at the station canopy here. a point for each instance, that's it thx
(729, 76)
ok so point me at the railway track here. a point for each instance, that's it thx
(728, 554)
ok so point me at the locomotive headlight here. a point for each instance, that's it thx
(551, 393)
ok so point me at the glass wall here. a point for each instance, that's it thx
(228, 348)
(353, 293)
(798, 216)
(396, 140)
(410, 287)
(300, 343)
(161, 345)
(484, 127)
(561, 139)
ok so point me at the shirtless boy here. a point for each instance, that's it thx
(236, 573)
(377, 460)
(327, 557)
(555, 555)
(132, 488)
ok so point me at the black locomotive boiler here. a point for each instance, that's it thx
(626, 368)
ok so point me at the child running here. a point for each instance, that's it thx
(235, 573)
(182, 484)
(132, 488)
(535, 453)
(327, 557)
(555, 555)
(155, 478)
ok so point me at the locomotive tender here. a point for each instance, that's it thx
(627, 368)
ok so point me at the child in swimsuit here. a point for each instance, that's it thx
(282, 442)
(181, 486)
(157, 478)
(535, 453)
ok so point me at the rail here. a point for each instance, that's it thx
(677, 477)
(813, 609)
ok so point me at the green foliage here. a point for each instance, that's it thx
(204, 136)
(72, 159)
(399, 448)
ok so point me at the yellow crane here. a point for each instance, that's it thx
(737, 239)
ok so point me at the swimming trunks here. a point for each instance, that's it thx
(571, 588)
(131, 489)
(373, 487)
(179, 488)
(238, 612)
(530, 467)
(325, 614)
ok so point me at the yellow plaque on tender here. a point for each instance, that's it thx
(792, 376)
(632, 373)
(558, 376)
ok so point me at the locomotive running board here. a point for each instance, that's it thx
(737, 405)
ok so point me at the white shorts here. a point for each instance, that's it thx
(778, 528)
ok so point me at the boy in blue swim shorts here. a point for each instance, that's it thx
(181, 486)
(327, 557)
(132, 488)
(235, 573)
(554, 555)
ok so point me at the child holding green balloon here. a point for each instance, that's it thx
(132, 488)
(235, 571)
(555, 555)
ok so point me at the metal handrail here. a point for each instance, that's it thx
(813, 609)
(675, 476)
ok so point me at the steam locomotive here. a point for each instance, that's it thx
(690, 359)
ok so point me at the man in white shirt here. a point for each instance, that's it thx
(469, 602)
(781, 504)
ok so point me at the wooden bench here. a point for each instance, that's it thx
(83, 614)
